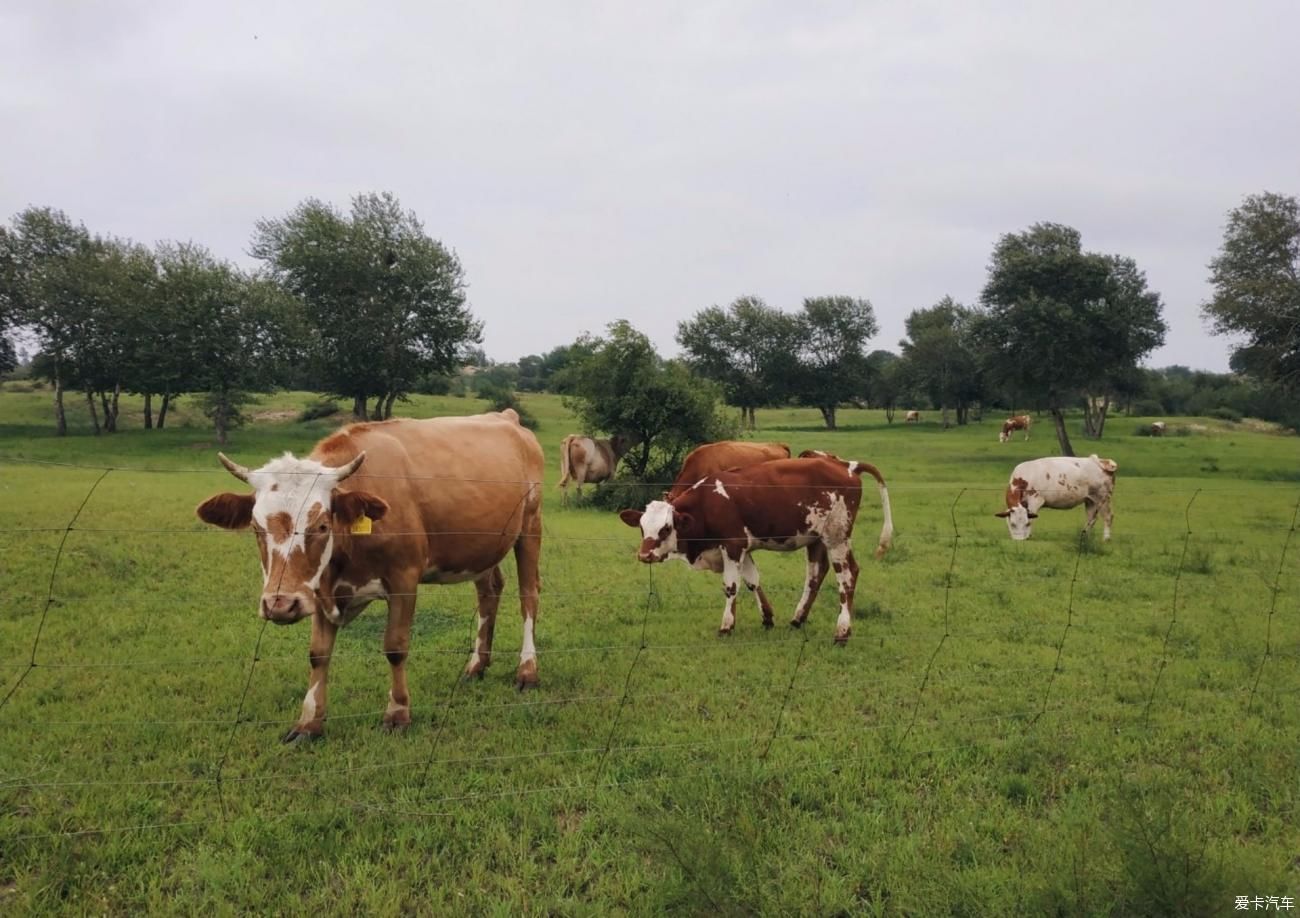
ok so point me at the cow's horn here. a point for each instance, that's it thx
(234, 468)
(345, 470)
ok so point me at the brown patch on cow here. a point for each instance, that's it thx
(1016, 493)
(339, 440)
(279, 526)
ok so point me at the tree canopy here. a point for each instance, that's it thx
(939, 359)
(1060, 324)
(1256, 279)
(386, 302)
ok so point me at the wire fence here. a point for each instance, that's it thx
(897, 721)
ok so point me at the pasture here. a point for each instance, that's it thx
(1052, 726)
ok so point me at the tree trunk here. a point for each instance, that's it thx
(378, 413)
(108, 411)
(60, 418)
(219, 419)
(1100, 424)
(117, 395)
(388, 405)
(94, 415)
(889, 413)
(828, 415)
(162, 409)
(148, 411)
(944, 410)
(1059, 420)
(359, 407)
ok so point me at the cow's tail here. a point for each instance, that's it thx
(566, 471)
(887, 529)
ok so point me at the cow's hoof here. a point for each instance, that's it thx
(526, 675)
(471, 675)
(768, 624)
(841, 640)
(796, 623)
(296, 737)
(523, 685)
(389, 726)
(724, 632)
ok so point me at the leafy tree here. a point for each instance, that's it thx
(1062, 324)
(888, 385)
(386, 301)
(748, 349)
(832, 362)
(939, 359)
(625, 387)
(1256, 278)
(559, 363)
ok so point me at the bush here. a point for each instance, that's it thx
(320, 408)
(1224, 413)
(1146, 408)
(500, 398)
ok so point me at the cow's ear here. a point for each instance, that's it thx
(682, 521)
(350, 506)
(229, 511)
(1003, 513)
(1033, 516)
(631, 517)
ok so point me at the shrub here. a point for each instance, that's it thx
(1146, 408)
(1224, 413)
(500, 398)
(320, 408)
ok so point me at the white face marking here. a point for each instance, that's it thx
(299, 484)
(1019, 523)
(718, 488)
(657, 515)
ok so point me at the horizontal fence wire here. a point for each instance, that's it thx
(896, 732)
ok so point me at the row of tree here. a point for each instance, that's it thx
(362, 305)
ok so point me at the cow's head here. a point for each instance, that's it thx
(1019, 520)
(303, 524)
(660, 524)
(1005, 434)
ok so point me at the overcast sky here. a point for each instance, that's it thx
(595, 161)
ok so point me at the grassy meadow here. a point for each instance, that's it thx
(1046, 727)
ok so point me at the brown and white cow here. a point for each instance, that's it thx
(782, 505)
(376, 510)
(1059, 483)
(1012, 424)
(586, 460)
(712, 458)
(912, 417)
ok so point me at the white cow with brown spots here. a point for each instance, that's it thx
(589, 460)
(912, 417)
(376, 510)
(1059, 483)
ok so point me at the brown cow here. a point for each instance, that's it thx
(587, 459)
(912, 417)
(782, 505)
(1012, 424)
(441, 500)
(725, 454)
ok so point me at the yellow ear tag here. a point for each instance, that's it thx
(362, 525)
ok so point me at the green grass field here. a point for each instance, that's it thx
(1014, 728)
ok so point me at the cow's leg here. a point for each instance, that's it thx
(528, 553)
(489, 587)
(730, 586)
(1091, 507)
(397, 643)
(817, 567)
(749, 571)
(1107, 516)
(311, 725)
(846, 575)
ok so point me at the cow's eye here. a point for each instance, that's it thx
(663, 533)
(322, 528)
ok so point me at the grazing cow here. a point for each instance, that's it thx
(912, 417)
(1157, 428)
(441, 500)
(782, 505)
(1059, 482)
(725, 454)
(587, 459)
(1012, 424)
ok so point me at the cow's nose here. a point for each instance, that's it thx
(281, 606)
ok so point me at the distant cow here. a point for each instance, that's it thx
(718, 457)
(1012, 424)
(1158, 428)
(912, 417)
(442, 500)
(587, 460)
(1059, 482)
(782, 505)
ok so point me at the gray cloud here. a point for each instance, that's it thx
(593, 161)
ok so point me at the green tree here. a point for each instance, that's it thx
(625, 387)
(386, 302)
(1256, 278)
(939, 358)
(747, 348)
(832, 366)
(888, 385)
(1060, 324)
